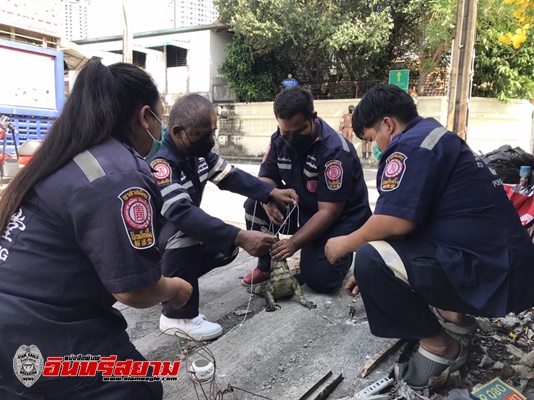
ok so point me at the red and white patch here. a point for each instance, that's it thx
(162, 169)
(393, 172)
(136, 213)
(393, 168)
(333, 174)
(334, 171)
(311, 186)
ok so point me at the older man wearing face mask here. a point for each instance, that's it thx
(309, 156)
(193, 241)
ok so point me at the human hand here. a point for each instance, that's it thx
(183, 291)
(255, 243)
(283, 249)
(351, 287)
(335, 249)
(273, 212)
(284, 196)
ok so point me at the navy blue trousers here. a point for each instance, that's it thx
(315, 269)
(190, 263)
(396, 309)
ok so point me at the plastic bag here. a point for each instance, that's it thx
(506, 161)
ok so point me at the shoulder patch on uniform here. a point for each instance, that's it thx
(393, 172)
(163, 171)
(333, 174)
(137, 216)
(312, 185)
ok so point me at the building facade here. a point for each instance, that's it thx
(76, 19)
(101, 18)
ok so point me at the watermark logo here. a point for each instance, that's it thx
(28, 364)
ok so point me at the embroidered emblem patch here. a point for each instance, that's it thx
(136, 213)
(333, 174)
(311, 186)
(162, 170)
(393, 172)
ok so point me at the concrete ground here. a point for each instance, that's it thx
(278, 355)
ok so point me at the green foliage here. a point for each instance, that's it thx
(362, 39)
(501, 71)
(317, 34)
(253, 76)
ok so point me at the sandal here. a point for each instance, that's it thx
(424, 365)
(471, 326)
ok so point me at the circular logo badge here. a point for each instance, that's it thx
(393, 168)
(162, 170)
(137, 212)
(333, 172)
(311, 186)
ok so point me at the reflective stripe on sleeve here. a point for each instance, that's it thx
(89, 166)
(170, 202)
(433, 138)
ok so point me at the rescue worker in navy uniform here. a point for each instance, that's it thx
(194, 241)
(443, 233)
(79, 233)
(309, 156)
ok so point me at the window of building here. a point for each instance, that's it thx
(176, 57)
(139, 59)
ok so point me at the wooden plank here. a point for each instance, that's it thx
(387, 347)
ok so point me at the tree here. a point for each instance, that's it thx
(361, 40)
(253, 76)
(524, 15)
(430, 36)
(502, 70)
(317, 34)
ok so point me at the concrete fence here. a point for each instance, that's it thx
(248, 126)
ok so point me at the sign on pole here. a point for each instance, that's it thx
(399, 77)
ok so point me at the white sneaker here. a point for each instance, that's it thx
(198, 328)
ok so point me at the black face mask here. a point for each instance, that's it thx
(297, 142)
(201, 147)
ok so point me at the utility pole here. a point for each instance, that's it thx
(462, 67)
(127, 36)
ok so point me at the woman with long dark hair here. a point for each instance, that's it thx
(79, 233)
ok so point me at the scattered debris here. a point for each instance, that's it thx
(322, 389)
(375, 359)
(242, 312)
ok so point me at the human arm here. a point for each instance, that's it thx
(254, 243)
(316, 225)
(377, 227)
(175, 291)
(179, 208)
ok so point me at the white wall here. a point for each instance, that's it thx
(198, 63)
(155, 66)
(491, 123)
(218, 43)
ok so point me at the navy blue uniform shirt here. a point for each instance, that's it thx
(329, 171)
(83, 233)
(182, 181)
(430, 176)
